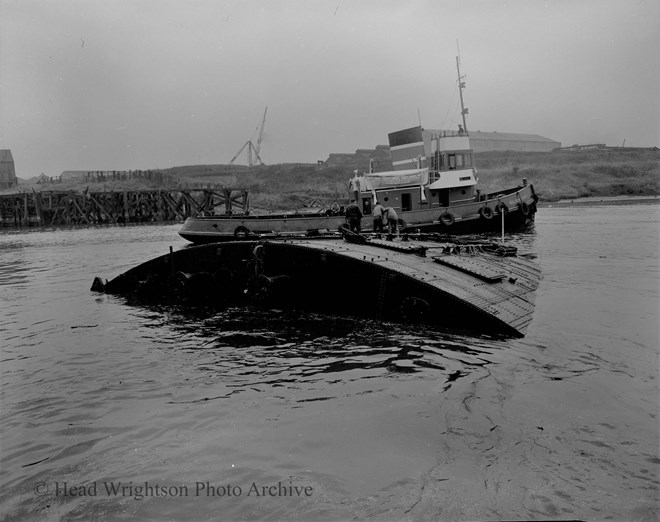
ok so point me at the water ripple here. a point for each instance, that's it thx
(379, 419)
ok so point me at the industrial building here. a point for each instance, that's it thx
(362, 159)
(501, 141)
(7, 170)
(379, 159)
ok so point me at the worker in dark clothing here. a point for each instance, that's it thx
(354, 217)
(378, 217)
(389, 215)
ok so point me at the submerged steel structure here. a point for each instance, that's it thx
(473, 286)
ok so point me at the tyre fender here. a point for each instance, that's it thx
(486, 212)
(447, 219)
(241, 232)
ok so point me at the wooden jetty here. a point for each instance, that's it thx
(474, 286)
(51, 207)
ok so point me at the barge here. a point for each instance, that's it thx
(416, 278)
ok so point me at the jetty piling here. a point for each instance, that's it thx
(53, 208)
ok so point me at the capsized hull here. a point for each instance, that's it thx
(518, 205)
(464, 286)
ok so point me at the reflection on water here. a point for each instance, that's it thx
(380, 420)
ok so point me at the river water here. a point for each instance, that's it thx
(118, 412)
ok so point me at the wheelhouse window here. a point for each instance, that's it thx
(441, 161)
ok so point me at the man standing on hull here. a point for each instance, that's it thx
(389, 215)
(354, 217)
(378, 217)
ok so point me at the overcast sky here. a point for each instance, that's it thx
(139, 84)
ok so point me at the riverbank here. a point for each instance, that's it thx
(590, 201)
(574, 175)
(556, 176)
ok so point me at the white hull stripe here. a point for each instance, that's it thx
(409, 160)
(408, 145)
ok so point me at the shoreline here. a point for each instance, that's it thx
(562, 203)
(597, 200)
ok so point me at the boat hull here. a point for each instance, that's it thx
(463, 286)
(518, 206)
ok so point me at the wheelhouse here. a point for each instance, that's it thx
(430, 169)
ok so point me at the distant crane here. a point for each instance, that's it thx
(252, 151)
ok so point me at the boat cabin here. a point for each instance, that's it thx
(430, 169)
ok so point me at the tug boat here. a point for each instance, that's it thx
(440, 194)
(432, 187)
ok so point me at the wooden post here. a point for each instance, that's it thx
(126, 207)
(37, 205)
(227, 201)
(81, 211)
(502, 212)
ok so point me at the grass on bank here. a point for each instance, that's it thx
(559, 175)
(555, 175)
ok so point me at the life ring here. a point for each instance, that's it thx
(447, 219)
(401, 224)
(502, 207)
(335, 208)
(486, 212)
(241, 232)
(524, 208)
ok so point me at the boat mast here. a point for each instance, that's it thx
(461, 86)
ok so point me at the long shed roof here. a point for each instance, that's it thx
(499, 136)
(509, 136)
